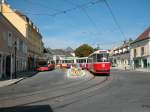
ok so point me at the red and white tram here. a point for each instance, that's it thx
(98, 62)
(82, 62)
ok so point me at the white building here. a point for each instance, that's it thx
(120, 56)
(140, 51)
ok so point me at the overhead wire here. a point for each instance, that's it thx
(63, 11)
(86, 14)
(114, 18)
(41, 5)
(87, 4)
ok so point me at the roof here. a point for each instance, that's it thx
(143, 36)
(3, 18)
(59, 52)
(124, 45)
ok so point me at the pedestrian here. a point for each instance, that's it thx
(125, 68)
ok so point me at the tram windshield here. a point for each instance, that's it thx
(102, 57)
(42, 64)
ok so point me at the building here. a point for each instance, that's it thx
(30, 32)
(13, 49)
(58, 55)
(120, 56)
(140, 51)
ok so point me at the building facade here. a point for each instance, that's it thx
(120, 56)
(30, 32)
(13, 49)
(140, 51)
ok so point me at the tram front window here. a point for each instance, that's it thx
(102, 57)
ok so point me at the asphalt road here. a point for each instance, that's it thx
(123, 91)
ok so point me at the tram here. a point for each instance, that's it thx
(82, 61)
(45, 65)
(99, 63)
(67, 63)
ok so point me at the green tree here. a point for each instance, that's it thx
(84, 50)
(97, 48)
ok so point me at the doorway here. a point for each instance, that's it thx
(8, 66)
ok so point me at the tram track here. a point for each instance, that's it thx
(62, 85)
(48, 96)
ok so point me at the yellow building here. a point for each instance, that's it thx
(28, 30)
(13, 50)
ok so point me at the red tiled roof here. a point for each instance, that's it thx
(144, 35)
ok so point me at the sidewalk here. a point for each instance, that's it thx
(130, 69)
(10, 82)
(142, 70)
(20, 76)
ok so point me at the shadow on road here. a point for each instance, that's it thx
(20, 75)
(101, 75)
(27, 74)
(34, 108)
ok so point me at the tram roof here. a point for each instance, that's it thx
(72, 58)
(99, 51)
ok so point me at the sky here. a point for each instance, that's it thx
(65, 23)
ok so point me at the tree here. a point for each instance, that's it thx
(84, 50)
(97, 48)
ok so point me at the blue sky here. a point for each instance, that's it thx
(92, 23)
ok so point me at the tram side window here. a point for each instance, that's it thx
(42, 63)
(90, 60)
(84, 61)
(99, 57)
(94, 58)
(51, 62)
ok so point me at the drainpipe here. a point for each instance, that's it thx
(11, 66)
(15, 75)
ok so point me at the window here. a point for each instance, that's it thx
(94, 57)
(5, 36)
(24, 48)
(142, 51)
(17, 44)
(134, 52)
(102, 57)
(21, 45)
(9, 39)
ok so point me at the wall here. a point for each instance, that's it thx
(7, 50)
(138, 47)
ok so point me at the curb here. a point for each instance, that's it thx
(10, 82)
(20, 79)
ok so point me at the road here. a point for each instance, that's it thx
(123, 91)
